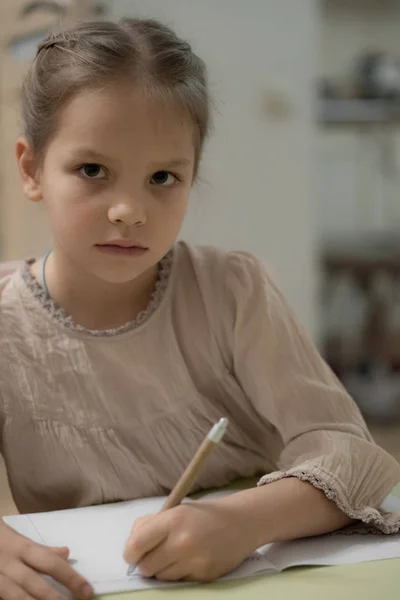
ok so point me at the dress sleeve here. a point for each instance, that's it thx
(325, 439)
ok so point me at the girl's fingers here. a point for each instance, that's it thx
(49, 563)
(12, 591)
(30, 582)
(63, 551)
(172, 573)
(156, 561)
(144, 539)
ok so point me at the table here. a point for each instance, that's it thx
(379, 580)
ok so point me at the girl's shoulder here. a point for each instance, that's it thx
(11, 284)
(8, 271)
(217, 271)
(217, 291)
(7, 280)
(8, 268)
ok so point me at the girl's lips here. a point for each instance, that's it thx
(124, 250)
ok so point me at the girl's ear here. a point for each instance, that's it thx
(29, 170)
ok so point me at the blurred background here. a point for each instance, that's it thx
(303, 167)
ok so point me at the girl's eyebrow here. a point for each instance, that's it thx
(87, 153)
(83, 153)
(176, 162)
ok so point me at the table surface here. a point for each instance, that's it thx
(378, 580)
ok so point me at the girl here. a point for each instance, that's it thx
(120, 348)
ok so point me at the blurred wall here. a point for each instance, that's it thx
(257, 186)
(358, 166)
(351, 26)
(23, 226)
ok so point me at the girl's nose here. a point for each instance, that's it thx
(129, 213)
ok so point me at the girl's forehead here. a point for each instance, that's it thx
(124, 117)
(123, 107)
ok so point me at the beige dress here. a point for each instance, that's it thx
(91, 417)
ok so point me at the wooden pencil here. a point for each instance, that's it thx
(196, 465)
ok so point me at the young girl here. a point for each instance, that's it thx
(121, 348)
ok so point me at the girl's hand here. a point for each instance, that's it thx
(21, 563)
(193, 542)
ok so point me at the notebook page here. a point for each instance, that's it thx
(332, 550)
(96, 537)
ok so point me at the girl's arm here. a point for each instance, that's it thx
(285, 510)
(329, 472)
(325, 441)
(209, 538)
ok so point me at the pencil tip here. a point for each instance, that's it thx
(218, 431)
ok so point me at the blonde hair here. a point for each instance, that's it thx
(90, 55)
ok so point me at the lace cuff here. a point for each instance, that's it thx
(369, 519)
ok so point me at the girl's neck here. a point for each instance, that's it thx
(91, 302)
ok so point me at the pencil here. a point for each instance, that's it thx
(196, 465)
(192, 471)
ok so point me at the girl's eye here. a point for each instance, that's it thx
(92, 171)
(163, 178)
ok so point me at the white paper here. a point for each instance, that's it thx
(96, 538)
(332, 550)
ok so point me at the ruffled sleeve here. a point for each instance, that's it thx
(325, 439)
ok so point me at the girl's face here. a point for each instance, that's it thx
(115, 181)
